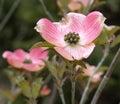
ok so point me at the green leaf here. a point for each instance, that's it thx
(115, 29)
(51, 68)
(81, 63)
(102, 69)
(36, 85)
(60, 69)
(42, 44)
(7, 94)
(116, 41)
(59, 65)
(106, 35)
(19, 100)
(65, 4)
(102, 38)
(24, 85)
(26, 89)
(19, 79)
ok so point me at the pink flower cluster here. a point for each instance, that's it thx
(31, 61)
(73, 36)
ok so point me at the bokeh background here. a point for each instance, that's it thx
(18, 32)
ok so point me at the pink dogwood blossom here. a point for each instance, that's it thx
(45, 91)
(77, 4)
(73, 35)
(31, 61)
(89, 70)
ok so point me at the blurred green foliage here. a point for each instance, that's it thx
(19, 33)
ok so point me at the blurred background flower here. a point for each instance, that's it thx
(32, 61)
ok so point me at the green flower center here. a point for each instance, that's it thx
(72, 38)
(27, 61)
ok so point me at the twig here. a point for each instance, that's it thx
(53, 95)
(32, 101)
(46, 11)
(86, 9)
(73, 92)
(48, 78)
(9, 14)
(61, 94)
(85, 93)
(106, 77)
(73, 80)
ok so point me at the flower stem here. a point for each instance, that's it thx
(87, 8)
(73, 88)
(106, 77)
(73, 92)
(32, 101)
(85, 93)
(53, 95)
(61, 94)
(46, 11)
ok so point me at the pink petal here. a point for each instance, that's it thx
(48, 31)
(20, 54)
(38, 53)
(14, 61)
(74, 5)
(6, 54)
(32, 67)
(75, 52)
(89, 70)
(45, 91)
(92, 27)
(97, 77)
(64, 53)
(71, 23)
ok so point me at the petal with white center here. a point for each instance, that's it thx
(77, 52)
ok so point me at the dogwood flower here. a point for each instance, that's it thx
(45, 91)
(31, 61)
(73, 35)
(89, 70)
(77, 4)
